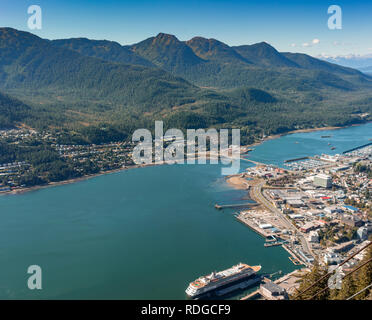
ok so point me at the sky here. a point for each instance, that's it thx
(288, 25)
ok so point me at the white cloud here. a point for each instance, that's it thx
(293, 45)
(315, 41)
(312, 43)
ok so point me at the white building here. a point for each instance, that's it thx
(362, 233)
(313, 236)
(332, 258)
(323, 180)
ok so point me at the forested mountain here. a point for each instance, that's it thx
(103, 49)
(12, 111)
(167, 52)
(262, 54)
(33, 66)
(214, 50)
(211, 63)
(102, 91)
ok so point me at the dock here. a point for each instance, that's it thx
(296, 159)
(294, 258)
(240, 286)
(249, 224)
(232, 206)
(275, 243)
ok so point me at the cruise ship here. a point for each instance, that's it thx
(215, 280)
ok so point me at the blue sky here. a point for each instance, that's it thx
(297, 26)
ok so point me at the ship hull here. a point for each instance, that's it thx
(239, 284)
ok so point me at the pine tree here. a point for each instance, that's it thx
(316, 273)
(348, 288)
(364, 276)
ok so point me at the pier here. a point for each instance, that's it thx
(296, 159)
(252, 226)
(232, 206)
(274, 243)
(257, 163)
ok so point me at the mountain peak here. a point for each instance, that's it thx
(166, 38)
(167, 52)
(212, 49)
(264, 54)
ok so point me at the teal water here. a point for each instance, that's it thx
(311, 143)
(141, 233)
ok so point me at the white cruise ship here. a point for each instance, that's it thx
(219, 279)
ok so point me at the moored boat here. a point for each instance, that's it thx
(216, 280)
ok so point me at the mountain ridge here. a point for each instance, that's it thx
(80, 83)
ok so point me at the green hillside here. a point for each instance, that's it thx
(32, 66)
(103, 49)
(99, 91)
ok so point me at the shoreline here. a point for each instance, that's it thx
(238, 183)
(74, 180)
(276, 136)
(235, 184)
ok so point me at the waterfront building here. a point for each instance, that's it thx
(272, 291)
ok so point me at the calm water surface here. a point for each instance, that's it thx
(142, 233)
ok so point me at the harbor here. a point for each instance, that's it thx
(108, 220)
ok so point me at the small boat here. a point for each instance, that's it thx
(333, 148)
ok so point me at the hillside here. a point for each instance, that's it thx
(30, 65)
(12, 111)
(211, 63)
(103, 49)
(99, 90)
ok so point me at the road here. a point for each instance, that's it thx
(258, 196)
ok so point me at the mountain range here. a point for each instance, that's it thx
(360, 62)
(77, 83)
(209, 62)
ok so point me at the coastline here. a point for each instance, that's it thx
(74, 180)
(240, 184)
(276, 136)
(235, 184)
